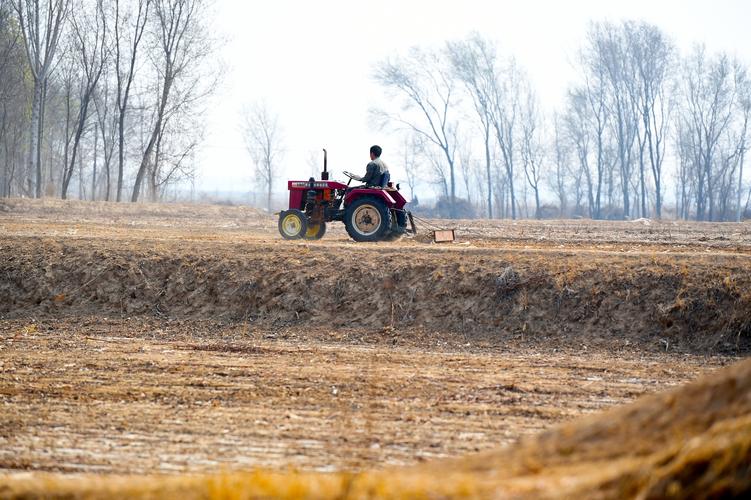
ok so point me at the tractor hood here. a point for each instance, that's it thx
(316, 185)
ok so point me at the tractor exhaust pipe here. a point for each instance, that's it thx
(325, 173)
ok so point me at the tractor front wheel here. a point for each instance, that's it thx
(293, 224)
(367, 219)
(315, 231)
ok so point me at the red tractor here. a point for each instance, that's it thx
(368, 213)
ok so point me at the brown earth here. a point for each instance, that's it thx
(229, 264)
(143, 396)
(139, 338)
(693, 442)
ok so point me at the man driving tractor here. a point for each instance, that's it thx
(373, 212)
(377, 172)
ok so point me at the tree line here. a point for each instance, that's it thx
(101, 99)
(641, 118)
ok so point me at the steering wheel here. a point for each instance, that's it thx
(351, 177)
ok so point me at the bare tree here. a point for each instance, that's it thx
(440, 175)
(476, 66)
(532, 146)
(13, 100)
(412, 148)
(587, 124)
(90, 52)
(651, 56)
(500, 198)
(128, 28)
(505, 107)
(174, 153)
(107, 128)
(558, 181)
(577, 122)
(620, 114)
(183, 44)
(708, 108)
(68, 78)
(41, 24)
(427, 87)
(744, 103)
(466, 165)
(687, 164)
(263, 140)
(611, 53)
(9, 38)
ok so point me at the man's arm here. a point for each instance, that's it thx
(371, 173)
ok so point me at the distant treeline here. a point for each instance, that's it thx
(641, 118)
(101, 99)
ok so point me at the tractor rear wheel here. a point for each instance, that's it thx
(315, 231)
(398, 227)
(293, 224)
(367, 219)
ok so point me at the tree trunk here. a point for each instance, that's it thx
(154, 193)
(93, 174)
(108, 176)
(268, 196)
(598, 196)
(510, 173)
(642, 186)
(742, 149)
(67, 176)
(591, 200)
(35, 167)
(145, 161)
(487, 172)
(700, 189)
(453, 184)
(120, 153)
(154, 136)
(81, 184)
(8, 177)
(740, 180)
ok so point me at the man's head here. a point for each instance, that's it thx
(375, 152)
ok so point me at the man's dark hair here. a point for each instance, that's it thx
(376, 150)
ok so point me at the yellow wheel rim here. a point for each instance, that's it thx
(291, 225)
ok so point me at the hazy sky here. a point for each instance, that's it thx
(312, 62)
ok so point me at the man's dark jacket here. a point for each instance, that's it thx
(374, 171)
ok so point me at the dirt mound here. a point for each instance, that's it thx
(688, 443)
(668, 302)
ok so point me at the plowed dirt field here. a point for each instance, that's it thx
(144, 338)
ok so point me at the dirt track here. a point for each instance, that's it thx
(192, 338)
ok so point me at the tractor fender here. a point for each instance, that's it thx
(373, 193)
